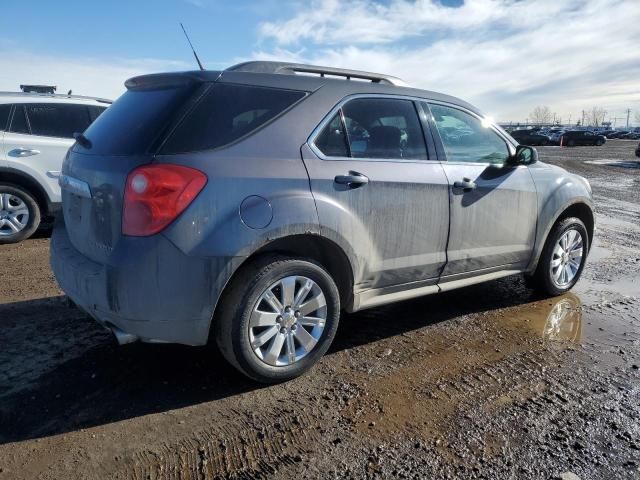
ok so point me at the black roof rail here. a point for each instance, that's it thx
(293, 68)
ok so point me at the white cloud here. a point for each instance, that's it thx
(505, 56)
(88, 76)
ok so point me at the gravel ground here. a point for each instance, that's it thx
(490, 381)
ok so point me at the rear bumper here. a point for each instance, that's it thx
(149, 290)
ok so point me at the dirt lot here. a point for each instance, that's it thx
(490, 381)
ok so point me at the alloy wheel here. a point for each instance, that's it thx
(14, 214)
(287, 321)
(567, 258)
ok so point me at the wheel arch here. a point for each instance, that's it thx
(21, 179)
(305, 246)
(578, 209)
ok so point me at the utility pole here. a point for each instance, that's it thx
(582, 123)
(628, 113)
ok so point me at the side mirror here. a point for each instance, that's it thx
(524, 155)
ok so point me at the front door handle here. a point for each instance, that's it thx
(353, 180)
(466, 184)
(23, 152)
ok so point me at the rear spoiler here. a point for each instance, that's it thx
(170, 80)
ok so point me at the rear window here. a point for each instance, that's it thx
(227, 113)
(135, 122)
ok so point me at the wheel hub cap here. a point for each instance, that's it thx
(14, 214)
(287, 321)
(567, 258)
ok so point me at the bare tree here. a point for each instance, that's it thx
(541, 114)
(594, 116)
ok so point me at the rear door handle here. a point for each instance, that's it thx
(353, 180)
(466, 184)
(23, 152)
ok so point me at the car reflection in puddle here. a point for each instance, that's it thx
(556, 319)
(564, 321)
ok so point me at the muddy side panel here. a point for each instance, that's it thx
(557, 191)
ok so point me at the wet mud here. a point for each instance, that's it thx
(491, 381)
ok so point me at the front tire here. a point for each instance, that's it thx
(277, 318)
(563, 258)
(19, 214)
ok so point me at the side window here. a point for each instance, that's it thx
(94, 112)
(332, 141)
(19, 122)
(465, 139)
(57, 120)
(384, 128)
(5, 109)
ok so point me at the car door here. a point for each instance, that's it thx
(493, 204)
(379, 191)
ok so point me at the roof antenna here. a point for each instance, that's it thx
(192, 49)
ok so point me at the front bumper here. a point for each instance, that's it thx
(149, 290)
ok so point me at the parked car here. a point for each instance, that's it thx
(555, 134)
(631, 136)
(36, 130)
(617, 134)
(237, 206)
(528, 137)
(581, 137)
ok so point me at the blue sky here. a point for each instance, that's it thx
(505, 56)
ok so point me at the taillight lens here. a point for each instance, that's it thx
(156, 194)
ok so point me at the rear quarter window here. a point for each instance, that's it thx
(227, 113)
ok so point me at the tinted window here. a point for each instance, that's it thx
(384, 128)
(19, 122)
(332, 141)
(94, 112)
(227, 113)
(5, 109)
(135, 121)
(57, 120)
(466, 139)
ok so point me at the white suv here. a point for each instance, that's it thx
(36, 130)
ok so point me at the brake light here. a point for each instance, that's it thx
(156, 194)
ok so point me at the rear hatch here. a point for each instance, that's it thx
(124, 137)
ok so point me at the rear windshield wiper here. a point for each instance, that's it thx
(82, 140)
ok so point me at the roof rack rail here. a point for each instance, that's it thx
(293, 68)
(57, 95)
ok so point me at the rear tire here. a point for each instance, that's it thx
(272, 344)
(598, 143)
(557, 273)
(19, 214)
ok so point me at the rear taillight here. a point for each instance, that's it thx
(156, 194)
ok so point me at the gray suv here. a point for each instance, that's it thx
(252, 205)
